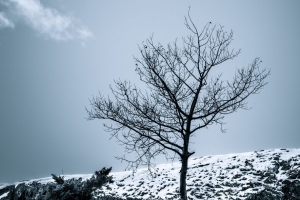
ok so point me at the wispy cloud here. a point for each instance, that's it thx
(5, 22)
(48, 22)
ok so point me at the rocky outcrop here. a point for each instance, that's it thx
(269, 174)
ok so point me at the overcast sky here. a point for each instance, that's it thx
(55, 55)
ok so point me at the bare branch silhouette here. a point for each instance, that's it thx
(181, 99)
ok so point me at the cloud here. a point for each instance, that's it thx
(47, 21)
(5, 22)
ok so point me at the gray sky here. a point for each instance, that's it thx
(55, 55)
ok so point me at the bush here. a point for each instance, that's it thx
(58, 179)
(72, 189)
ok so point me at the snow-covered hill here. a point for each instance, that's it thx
(215, 177)
(231, 176)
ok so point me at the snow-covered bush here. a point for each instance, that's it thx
(71, 189)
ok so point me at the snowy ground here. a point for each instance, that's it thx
(209, 177)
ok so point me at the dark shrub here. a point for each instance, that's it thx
(72, 189)
(58, 179)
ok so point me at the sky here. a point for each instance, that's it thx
(56, 55)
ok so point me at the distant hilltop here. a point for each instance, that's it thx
(265, 174)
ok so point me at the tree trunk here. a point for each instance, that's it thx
(183, 172)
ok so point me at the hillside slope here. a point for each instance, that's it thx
(233, 176)
(265, 174)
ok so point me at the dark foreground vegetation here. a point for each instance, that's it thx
(71, 189)
(61, 189)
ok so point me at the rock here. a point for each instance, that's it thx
(294, 174)
(237, 176)
(228, 184)
(275, 167)
(248, 163)
(266, 194)
(285, 165)
(6, 189)
(271, 179)
(291, 189)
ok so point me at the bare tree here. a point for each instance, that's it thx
(181, 97)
